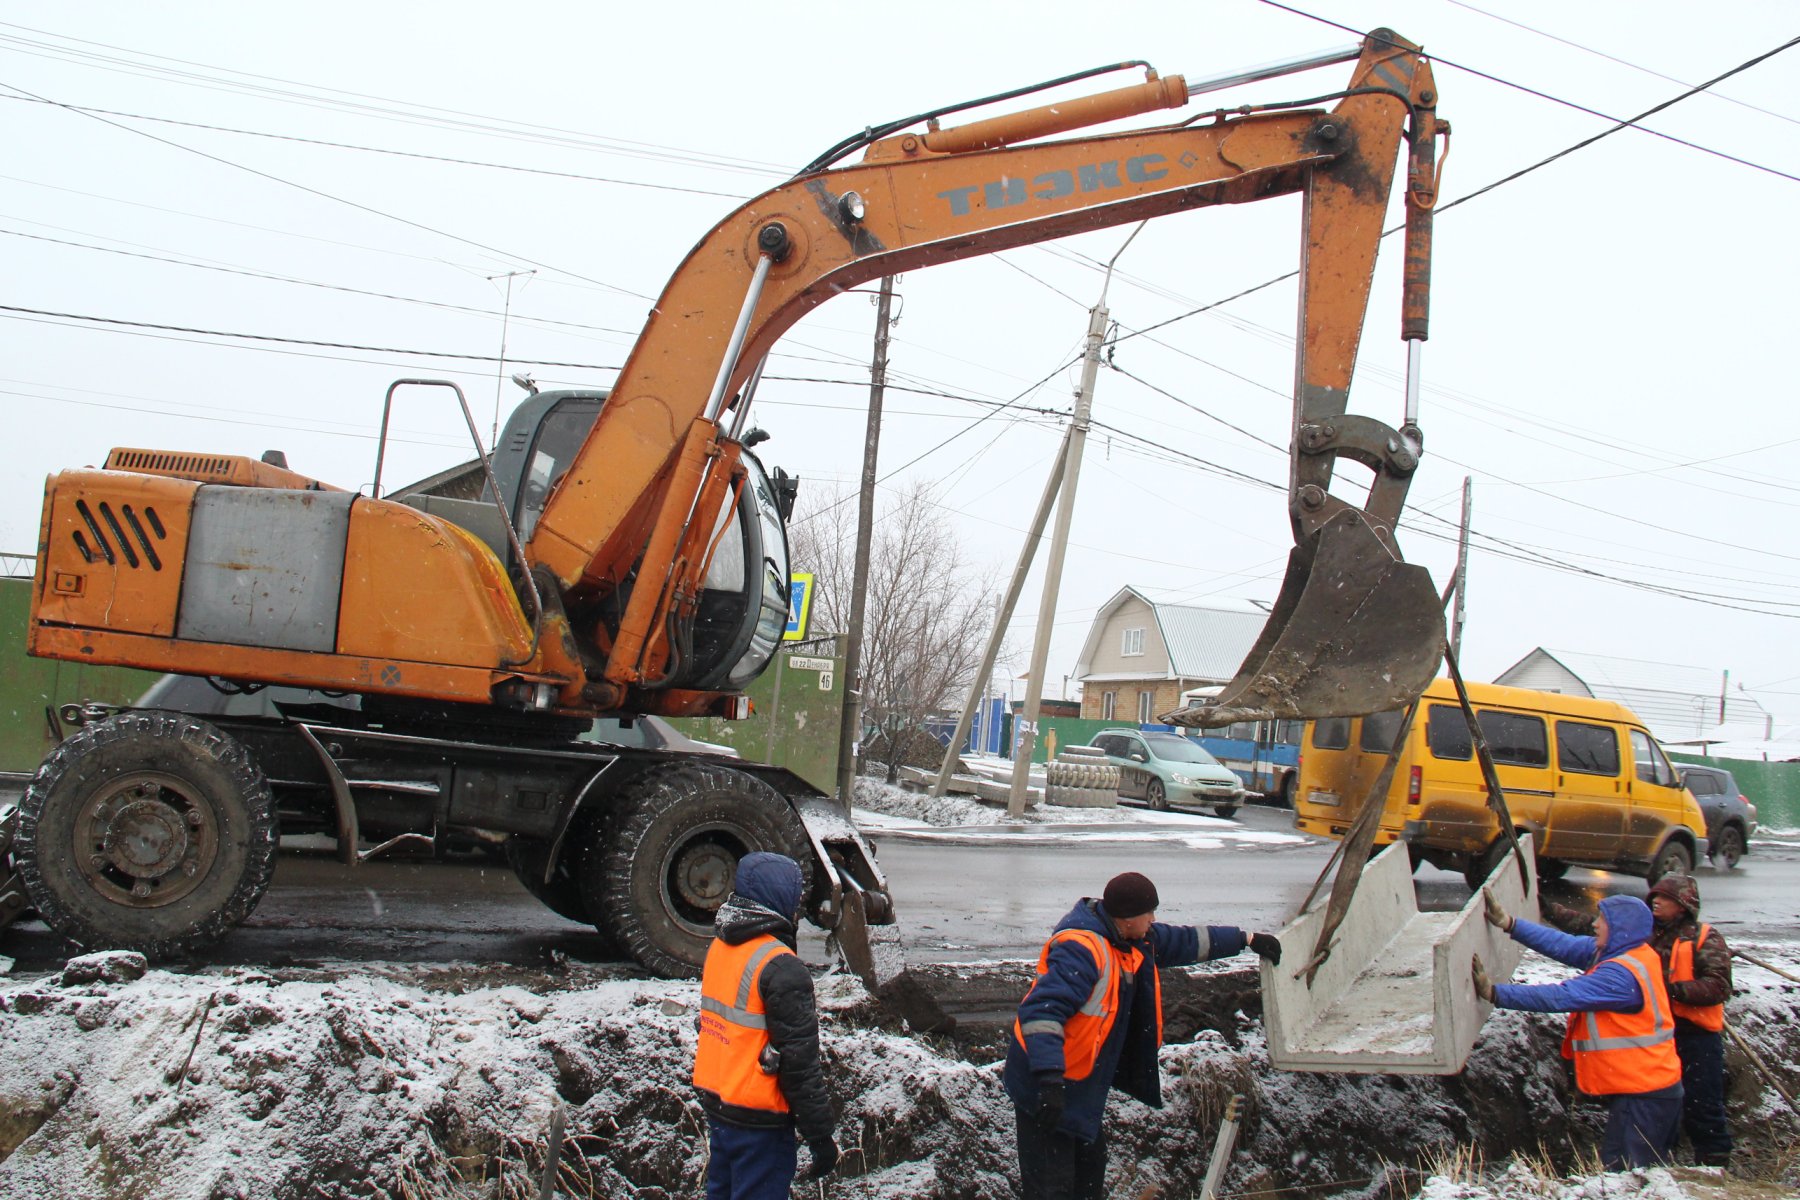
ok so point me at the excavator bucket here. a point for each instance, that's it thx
(1355, 630)
(856, 909)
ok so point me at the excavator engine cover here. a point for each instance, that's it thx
(1355, 630)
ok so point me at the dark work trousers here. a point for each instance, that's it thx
(750, 1164)
(1055, 1166)
(1639, 1127)
(1703, 1077)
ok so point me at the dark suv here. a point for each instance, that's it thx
(1730, 817)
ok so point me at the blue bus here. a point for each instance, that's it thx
(1264, 754)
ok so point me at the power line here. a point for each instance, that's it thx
(324, 195)
(440, 158)
(1493, 16)
(357, 103)
(1582, 108)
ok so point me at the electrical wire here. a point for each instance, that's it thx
(89, 110)
(324, 195)
(1582, 108)
(366, 105)
(1613, 58)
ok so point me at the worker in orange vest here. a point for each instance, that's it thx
(757, 1065)
(1697, 970)
(1091, 1022)
(1621, 1030)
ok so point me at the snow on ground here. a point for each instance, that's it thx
(390, 1081)
(894, 810)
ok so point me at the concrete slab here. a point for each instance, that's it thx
(1395, 995)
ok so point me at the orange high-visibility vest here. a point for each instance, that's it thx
(1681, 970)
(733, 1030)
(1086, 1031)
(1627, 1052)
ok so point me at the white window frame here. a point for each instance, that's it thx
(1131, 643)
(1144, 706)
(1109, 702)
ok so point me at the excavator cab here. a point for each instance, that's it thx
(743, 601)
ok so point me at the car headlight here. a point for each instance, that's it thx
(1183, 780)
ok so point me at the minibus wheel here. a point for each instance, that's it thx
(1673, 859)
(1551, 868)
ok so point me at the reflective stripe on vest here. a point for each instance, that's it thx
(1085, 1032)
(734, 1030)
(1627, 1052)
(1681, 970)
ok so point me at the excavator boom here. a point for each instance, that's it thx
(649, 473)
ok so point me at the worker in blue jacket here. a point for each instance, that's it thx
(1091, 1022)
(1621, 1026)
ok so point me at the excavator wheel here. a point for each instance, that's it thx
(666, 861)
(148, 831)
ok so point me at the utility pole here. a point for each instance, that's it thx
(1002, 618)
(850, 729)
(1059, 544)
(500, 369)
(1462, 576)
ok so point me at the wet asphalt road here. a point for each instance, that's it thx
(986, 897)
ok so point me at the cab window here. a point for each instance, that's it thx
(1379, 730)
(1331, 733)
(1587, 749)
(1652, 767)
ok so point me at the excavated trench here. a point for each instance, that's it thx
(419, 1082)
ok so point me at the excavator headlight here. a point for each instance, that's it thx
(850, 207)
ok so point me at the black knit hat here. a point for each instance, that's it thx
(1129, 895)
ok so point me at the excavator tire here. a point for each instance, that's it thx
(148, 831)
(666, 861)
(562, 893)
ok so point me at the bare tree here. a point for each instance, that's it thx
(925, 621)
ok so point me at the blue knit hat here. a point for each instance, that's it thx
(771, 880)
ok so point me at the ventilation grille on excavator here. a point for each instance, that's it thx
(109, 537)
(206, 468)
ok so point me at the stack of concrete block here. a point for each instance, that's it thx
(1081, 778)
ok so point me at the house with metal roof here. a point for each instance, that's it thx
(1141, 655)
(1681, 705)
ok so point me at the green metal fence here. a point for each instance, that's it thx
(1773, 787)
(797, 706)
(29, 686)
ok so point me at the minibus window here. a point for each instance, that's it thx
(1588, 749)
(1447, 733)
(1380, 729)
(1290, 732)
(1515, 739)
(1331, 733)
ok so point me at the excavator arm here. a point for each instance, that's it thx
(635, 513)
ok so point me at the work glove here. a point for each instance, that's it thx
(1484, 987)
(824, 1158)
(1268, 946)
(1496, 915)
(1051, 1098)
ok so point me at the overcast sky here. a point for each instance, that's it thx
(1611, 337)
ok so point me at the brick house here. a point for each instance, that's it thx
(1140, 656)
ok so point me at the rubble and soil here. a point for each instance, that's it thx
(439, 1081)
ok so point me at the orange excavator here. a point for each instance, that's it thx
(625, 553)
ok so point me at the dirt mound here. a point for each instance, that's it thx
(390, 1082)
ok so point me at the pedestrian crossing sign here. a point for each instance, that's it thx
(800, 589)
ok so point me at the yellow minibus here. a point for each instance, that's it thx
(1583, 776)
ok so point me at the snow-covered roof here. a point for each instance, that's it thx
(1679, 703)
(1204, 641)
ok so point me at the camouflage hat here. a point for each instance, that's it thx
(1681, 889)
